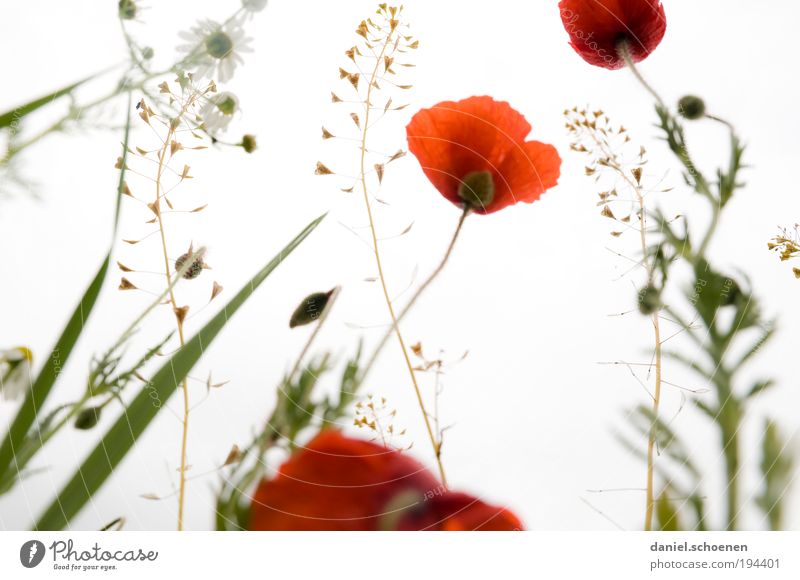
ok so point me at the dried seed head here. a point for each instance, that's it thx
(194, 269)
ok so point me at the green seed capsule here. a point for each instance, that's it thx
(477, 189)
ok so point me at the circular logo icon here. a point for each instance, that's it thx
(31, 553)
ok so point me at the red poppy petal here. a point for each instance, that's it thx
(525, 174)
(455, 511)
(336, 483)
(453, 139)
(596, 27)
(466, 513)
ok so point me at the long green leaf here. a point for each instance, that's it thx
(8, 118)
(47, 377)
(40, 389)
(121, 437)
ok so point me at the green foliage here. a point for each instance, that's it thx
(123, 434)
(718, 314)
(15, 116)
(776, 472)
(297, 409)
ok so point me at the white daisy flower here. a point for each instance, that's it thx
(218, 111)
(15, 372)
(213, 49)
(254, 5)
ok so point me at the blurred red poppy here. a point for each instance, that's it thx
(596, 29)
(341, 483)
(474, 152)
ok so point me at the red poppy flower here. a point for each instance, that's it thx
(474, 152)
(340, 483)
(597, 27)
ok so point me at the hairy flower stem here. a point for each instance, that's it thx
(730, 413)
(395, 326)
(407, 308)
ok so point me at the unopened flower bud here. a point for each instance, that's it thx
(87, 418)
(127, 9)
(310, 309)
(649, 299)
(730, 292)
(691, 107)
(248, 143)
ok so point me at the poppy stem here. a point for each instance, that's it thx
(417, 294)
(625, 52)
(407, 308)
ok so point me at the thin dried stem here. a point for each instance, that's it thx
(395, 326)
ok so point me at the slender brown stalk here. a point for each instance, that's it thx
(624, 50)
(162, 165)
(395, 326)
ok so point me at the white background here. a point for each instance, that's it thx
(528, 291)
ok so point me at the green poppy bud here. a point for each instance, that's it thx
(730, 292)
(87, 418)
(310, 309)
(691, 107)
(127, 9)
(248, 143)
(649, 299)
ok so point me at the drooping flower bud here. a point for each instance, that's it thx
(249, 143)
(87, 418)
(310, 309)
(691, 107)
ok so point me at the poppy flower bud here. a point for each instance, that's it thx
(477, 189)
(691, 107)
(87, 418)
(248, 143)
(649, 299)
(730, 292)
(310, 309)
(127, 9)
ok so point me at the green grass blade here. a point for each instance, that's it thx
(44, 382)
(122, 435)
(8, 118)
(35, 399)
